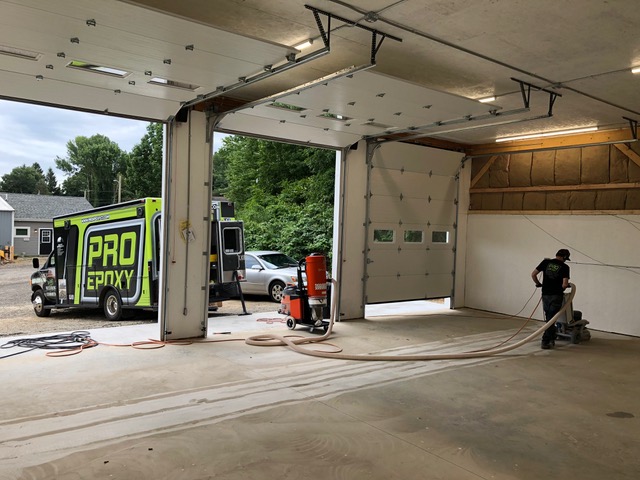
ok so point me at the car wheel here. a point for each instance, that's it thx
(276, 290)
(38, 304)
(112, 306)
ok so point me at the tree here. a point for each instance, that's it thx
(144, 167)
(25, 180)
(92, 165)
(52, 182)
(284, 193)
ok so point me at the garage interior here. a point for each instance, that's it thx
(421, 100)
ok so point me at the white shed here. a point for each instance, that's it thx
(6, 224)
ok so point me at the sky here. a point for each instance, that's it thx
(33, 133)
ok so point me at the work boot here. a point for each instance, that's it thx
(545, 345)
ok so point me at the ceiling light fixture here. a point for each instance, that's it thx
(303, 45)
(548, 134)
(635, 70)
(487, 99)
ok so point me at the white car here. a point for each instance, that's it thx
(268, 273)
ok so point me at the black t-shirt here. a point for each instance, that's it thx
(553, 271)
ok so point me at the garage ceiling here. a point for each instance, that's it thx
(434, 60)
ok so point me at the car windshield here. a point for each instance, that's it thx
(278, 260)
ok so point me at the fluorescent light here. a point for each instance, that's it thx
(548, 134)
(303, 45)
(635, 70)
(487, 99)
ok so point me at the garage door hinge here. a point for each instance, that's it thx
(369, 261)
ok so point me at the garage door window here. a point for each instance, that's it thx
(413, 236)
(440, 237)
(383, 236)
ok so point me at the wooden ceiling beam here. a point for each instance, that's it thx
(632, 155)
(552, 143)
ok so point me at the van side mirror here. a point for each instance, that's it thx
(36, 262)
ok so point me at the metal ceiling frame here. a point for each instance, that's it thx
(633, 125)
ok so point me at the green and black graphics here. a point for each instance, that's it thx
(113, 256)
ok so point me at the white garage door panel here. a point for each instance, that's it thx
(245, 123)
(439, 285)
(442, 213)
(404, 262)
(411, 189)
(13, 85)
(442, 188)
(440, 261)
(392, 211)
(408, 287)
(383, 263)
(395, 182)
(412, 262)
(403, 156)
(394, 289)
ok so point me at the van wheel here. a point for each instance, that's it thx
(38, 304)
(276, 290)
(112, 306)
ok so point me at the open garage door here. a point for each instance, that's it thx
(411, 223)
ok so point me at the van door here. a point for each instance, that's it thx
(231, 251)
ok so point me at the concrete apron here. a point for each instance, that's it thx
(233, 411)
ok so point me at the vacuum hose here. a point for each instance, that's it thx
(295, 342)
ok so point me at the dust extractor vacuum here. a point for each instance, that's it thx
(308, 303)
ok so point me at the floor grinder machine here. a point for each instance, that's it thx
(308, 304)
(571, 326)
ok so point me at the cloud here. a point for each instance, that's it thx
(33, 133)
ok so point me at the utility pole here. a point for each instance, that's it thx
(119, 181)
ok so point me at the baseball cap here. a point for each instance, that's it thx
(563, 252)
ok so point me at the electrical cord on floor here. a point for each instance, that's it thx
(62, 345)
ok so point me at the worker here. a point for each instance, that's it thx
(555, 279)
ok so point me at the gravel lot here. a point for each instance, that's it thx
(17, 316)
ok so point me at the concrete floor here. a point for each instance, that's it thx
(233, 411)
